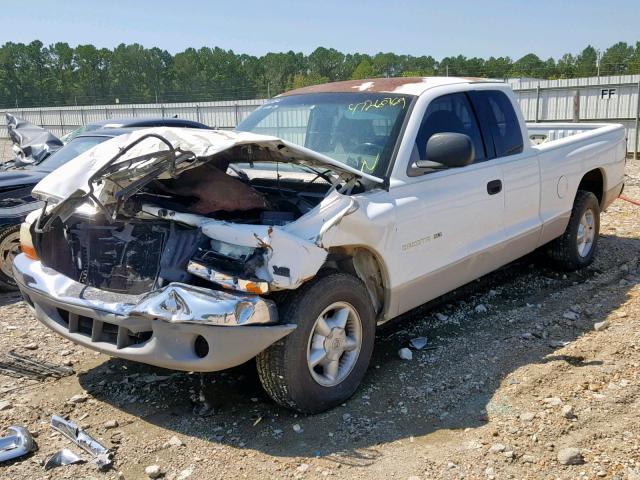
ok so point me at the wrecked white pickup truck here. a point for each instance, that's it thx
(332, 209)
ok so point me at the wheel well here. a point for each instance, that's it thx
(364, 264)
(593, 182)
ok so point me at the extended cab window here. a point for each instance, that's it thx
(450, 113)
(501, 120)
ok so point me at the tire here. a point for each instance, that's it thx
(285, 368)
(567, 251)
(9, 248)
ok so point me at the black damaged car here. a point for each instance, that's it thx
(16, 183)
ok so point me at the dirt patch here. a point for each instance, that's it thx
(498, 392)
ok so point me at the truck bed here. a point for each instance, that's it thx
(547, 132)
(566, 151)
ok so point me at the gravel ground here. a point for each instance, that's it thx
(516, 389)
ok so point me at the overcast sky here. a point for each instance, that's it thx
(468, 27)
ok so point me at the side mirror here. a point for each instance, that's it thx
(448, 150)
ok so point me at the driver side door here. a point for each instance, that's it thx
(449, 222)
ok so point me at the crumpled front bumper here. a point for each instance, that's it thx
(161, 328)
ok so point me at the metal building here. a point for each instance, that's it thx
(614, 99)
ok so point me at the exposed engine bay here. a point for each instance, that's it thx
(160, 214)
(244, 191)
(136, 255)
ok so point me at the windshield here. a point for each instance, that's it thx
(70, 151)
(85, 128)
(357, 129)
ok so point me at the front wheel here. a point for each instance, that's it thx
(322, 362)
(577, 246)
(9, 248)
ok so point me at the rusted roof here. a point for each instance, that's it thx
(408, 85)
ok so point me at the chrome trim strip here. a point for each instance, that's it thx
(18, 443)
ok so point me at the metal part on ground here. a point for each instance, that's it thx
(18, 443)
(21, 366)
(101, 455)
(61, 458)
(419, 342)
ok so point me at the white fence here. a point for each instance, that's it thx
(62, 120)
(613, 99)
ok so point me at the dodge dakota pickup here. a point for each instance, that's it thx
(330, 210)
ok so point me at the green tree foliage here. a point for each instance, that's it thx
(314, 78)
(616, 59)
(566, 66)
(586, 65)
(363, 70)
(34, 74)
(497, 67)
(325, 63)
(528, 66)
(634, 62)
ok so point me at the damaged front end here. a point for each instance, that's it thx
(152, 245)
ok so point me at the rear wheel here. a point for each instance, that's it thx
(577, 246)
(322, 362)
(9, 248)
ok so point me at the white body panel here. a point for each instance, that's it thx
(430, 233)
(436, 232)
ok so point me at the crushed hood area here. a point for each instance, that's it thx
(163, 204)
(147, 148)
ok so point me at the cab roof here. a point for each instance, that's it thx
(402, 85)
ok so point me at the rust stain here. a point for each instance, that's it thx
(372, 85)
(262, 243)
(375, 85)
(214, 191)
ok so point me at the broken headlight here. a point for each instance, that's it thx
(26, 239)
(229, 250)
(231, 266)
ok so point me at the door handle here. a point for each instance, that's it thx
(494, 186)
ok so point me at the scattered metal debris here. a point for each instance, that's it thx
(101, 455)
(405, 354)
(61, 458)
(419, 342)
(18, 443)
(21, 366)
